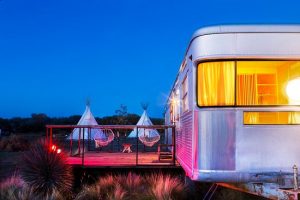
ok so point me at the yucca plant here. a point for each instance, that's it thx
(165, 187)
(46, 172)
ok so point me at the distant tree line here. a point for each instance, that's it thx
(38, 121)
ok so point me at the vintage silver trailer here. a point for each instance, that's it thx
(235, 103)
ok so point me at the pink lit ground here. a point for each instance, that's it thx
(103, 159)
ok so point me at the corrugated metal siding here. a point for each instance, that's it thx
(184, 135)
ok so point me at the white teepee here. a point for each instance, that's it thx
(87, 118)
(147, 136)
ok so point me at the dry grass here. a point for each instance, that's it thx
(88, 192)
(96, 192)
(166, 187)
(106, 186)
(46, 172)
(118, 194)
(14, 188)
(132, 183)
(133, 186)
(14, 143)
(11, 188)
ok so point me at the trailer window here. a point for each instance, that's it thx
(265, 82)
(184, 88)
(271, 118)
(248, 83)
(216, 82)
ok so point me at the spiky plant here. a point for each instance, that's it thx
(45, 171)
(165, 187)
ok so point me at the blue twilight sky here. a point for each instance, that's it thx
(56, 53)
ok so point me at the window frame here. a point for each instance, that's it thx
(185, 91)
(235, 82)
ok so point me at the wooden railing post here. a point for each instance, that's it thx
(137, 146)
(47, 137)
(50, 136)
(174, 144)
(89, 139)
(71, 144)
(79, 138)
(83, 148)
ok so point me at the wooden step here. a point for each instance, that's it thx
(166, 156)
(165, 153)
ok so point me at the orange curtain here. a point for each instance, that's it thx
(246, 95)
(246, 89)
(216, 83)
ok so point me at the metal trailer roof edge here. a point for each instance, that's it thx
(238, 28)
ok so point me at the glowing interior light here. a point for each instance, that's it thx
(53, 147)
(58, 151)
(293, 89)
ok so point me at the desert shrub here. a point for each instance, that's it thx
(14, 143)
(118, 193)
(114, 187)
(14, 188)
(11, 188)
(165, 187)
(133, 186)
(88, 192)
(46, 172)
(106, 186)
(131, 182)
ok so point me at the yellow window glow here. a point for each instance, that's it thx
(264, 82)
(276, 118)
(248, 83)
(216, 82)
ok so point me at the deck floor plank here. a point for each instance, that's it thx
(104, 159)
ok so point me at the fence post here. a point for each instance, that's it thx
(89, 139)
(47, 137)
(174, 143)
(83, 148)
(71, 144)
(144, 139)
(79, 138)
(51, 136)
(118, 137)
(137, 146)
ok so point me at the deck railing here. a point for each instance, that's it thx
(56, 134)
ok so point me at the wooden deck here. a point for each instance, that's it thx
(104, 159)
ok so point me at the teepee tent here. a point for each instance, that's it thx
(101, 137)
(147, 136)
